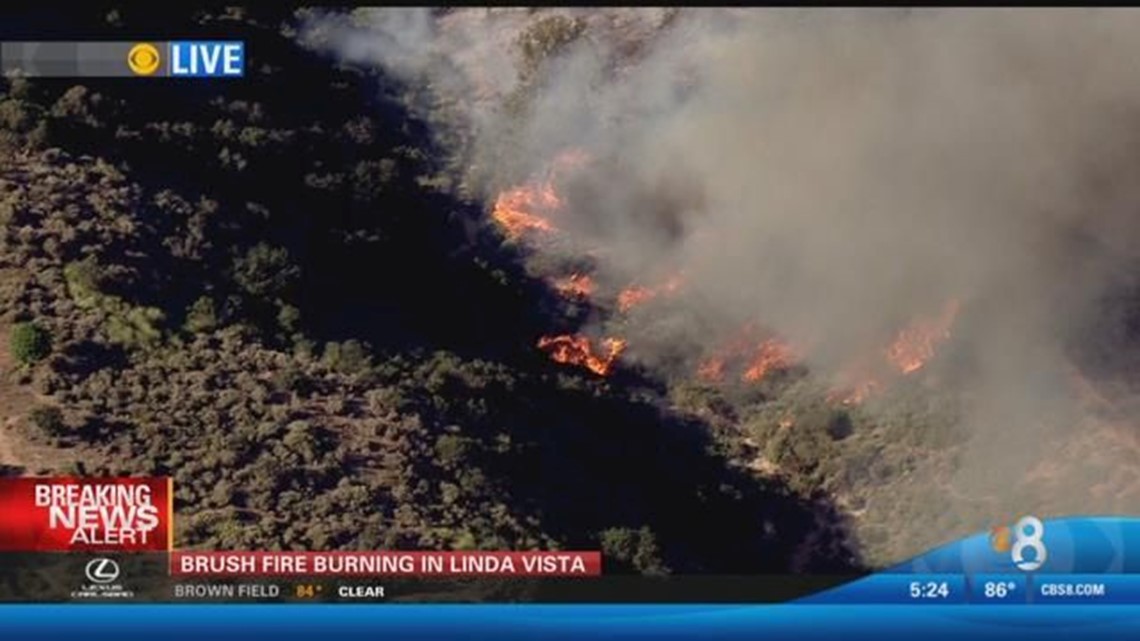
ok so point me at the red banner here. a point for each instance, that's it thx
(386, 563)
(86, 514)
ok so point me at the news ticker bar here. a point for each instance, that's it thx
(886, 589)
(147, 577)
(153, 578)
(168, 59)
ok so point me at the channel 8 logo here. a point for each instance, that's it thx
(1023, 542)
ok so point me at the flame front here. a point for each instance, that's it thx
(518, 210)
(771, 355)
(575, 286)
(752, 356)
(577, 350)
(523, 209)
(758, 359)
(915, 345)
(910, 351)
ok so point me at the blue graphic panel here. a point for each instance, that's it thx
(1000, 589)
(1084, 560)
(1085, 545)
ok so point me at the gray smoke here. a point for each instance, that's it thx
(829, 174)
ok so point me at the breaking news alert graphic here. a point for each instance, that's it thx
(78, 514)
(83, 539)
(136, 515)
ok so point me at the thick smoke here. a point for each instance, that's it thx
(829, 174)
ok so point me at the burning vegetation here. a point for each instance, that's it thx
(754, 357)
(522, 210)
(770, 355)
(631, 297)
(637, 295)
(912, 348)
(577, 350)
(910, 351)
(575, 286)
(711, 370)
(526, 209)
(915, 345)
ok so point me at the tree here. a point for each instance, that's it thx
(85, 281)
(29, 343)
(265, 271)
(202, 316)
(546, 38)
(349, 357)
(636, 549)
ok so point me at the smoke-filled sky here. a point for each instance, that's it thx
(830, 174)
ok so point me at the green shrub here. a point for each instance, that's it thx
(349, 357)
(29, 343)
(84, 281)
(634, 549)
(134, 326)
(264, 271)
(202, 316)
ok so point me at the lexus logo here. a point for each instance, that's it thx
(102, 571)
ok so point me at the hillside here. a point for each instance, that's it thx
(265, 297)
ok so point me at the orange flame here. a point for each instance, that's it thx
(523, 209)
(915, 345)
(635, 295)
(770, 355)
(574, 286)
(911, 350)
(576, 350)
(759, 358)
(516, 210)
(711, 370)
